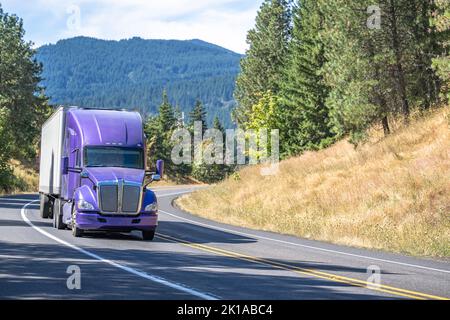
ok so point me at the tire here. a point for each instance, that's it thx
(57, 215)
(76, 232)
(45, 206)
(148, 235)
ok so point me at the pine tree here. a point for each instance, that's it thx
(166, 114)
(304, 119)
(261, 69)
(441, 62)
(377, 73)
(198, 114)
(352, 70)
(425, 82)
(158, 130)
(217, 125)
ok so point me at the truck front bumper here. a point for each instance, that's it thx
(97, 222)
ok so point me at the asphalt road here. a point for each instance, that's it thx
(194, 258)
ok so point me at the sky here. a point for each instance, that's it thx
(222, 22)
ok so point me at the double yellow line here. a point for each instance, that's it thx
(304, 271)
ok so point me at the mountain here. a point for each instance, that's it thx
(133, 73)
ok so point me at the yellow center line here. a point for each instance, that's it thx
(310, 272)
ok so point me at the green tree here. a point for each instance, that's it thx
(381, 72)
(425, 83)
(350, 68)
(211, 173)
(166, 114)
(23, 106)
(264, 114)
(158, 130)
(441, 63)
(261, 69)
(304, 118)
(198, 113)
(217, 125)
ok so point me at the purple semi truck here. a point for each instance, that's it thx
(92, 172)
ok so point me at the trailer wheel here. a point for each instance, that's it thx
(148, 235)
(45, 206)
(57, 215)
(76, 232)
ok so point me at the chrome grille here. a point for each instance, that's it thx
(119, 197)
(108, 198)
(130, 198)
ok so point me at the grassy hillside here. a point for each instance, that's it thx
(391, 194)
(24, 178)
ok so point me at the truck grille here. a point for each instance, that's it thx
(108, 198)
(119, 198)
(130, 198)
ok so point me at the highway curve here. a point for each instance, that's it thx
(194, 258)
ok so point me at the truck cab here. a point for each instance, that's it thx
(100, 173)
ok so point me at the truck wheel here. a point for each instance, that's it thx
(148, 235)
(76, 232)
(45, 206)
(57, 215)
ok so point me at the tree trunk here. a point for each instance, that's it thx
(386, 129)
(400, 75)
(378, 93)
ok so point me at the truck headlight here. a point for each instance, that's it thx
(84, 205)
(152, 207)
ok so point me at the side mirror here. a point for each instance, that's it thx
(155, 176)
(65, 161)
(160, 168)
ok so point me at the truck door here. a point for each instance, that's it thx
(74, 177)
(71, 180)
(65, 177)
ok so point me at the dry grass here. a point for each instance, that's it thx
(393, 194)
(25, 178)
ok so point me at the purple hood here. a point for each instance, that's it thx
(114, 174)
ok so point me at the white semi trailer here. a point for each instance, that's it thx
(52, 139)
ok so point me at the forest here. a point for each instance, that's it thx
(322, 70)
(133, 73)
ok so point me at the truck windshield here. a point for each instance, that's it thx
(114, 157)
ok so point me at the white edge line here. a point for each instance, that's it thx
(115, 264)
(301, 245)
(172, 194)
